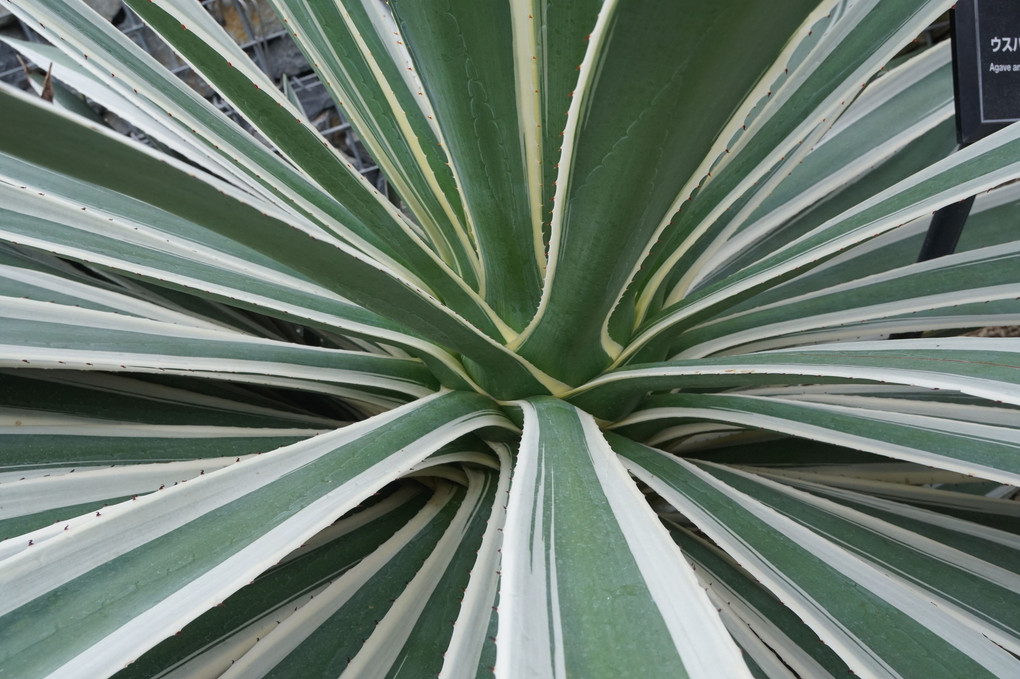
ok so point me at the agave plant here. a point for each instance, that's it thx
(608, 391)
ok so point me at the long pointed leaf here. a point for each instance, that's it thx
(877, 628)
(565, 589)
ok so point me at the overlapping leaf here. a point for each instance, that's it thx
(257, 420)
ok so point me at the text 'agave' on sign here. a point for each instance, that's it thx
(986, 45)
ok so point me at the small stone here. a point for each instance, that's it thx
(284, 56)
(314, 99)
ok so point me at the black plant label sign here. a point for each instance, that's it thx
(986, 66)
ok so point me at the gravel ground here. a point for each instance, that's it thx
(1003, 331)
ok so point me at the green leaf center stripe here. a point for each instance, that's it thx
(464, 57)
(390, 140)
(549, 595)
(756, 534)
(969, 449)
(96, 298)
(587, 72)
(387, 235)
(259, 420)
(221, 636)
(383, 651)
(290, 494)
(39, 493)
(997, 253)
(271, 650)
(100, 49)
(204, 279)
(931, 523)
(119, 398)
(105, 222)
(337, 266)
(136, 110)
(952, 363)
(962, 174)
(529, 101)
(734, 134)
(761, 624)
(199, 22)
(880, 398)
(639, 121)
(28, 425)
(981, 593)
(826, 81)
(462, 655)
(38, 331)
(171, 172)
(978, 276)
(803, 141)
(193, 31)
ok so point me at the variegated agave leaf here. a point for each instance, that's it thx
(608, 392)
